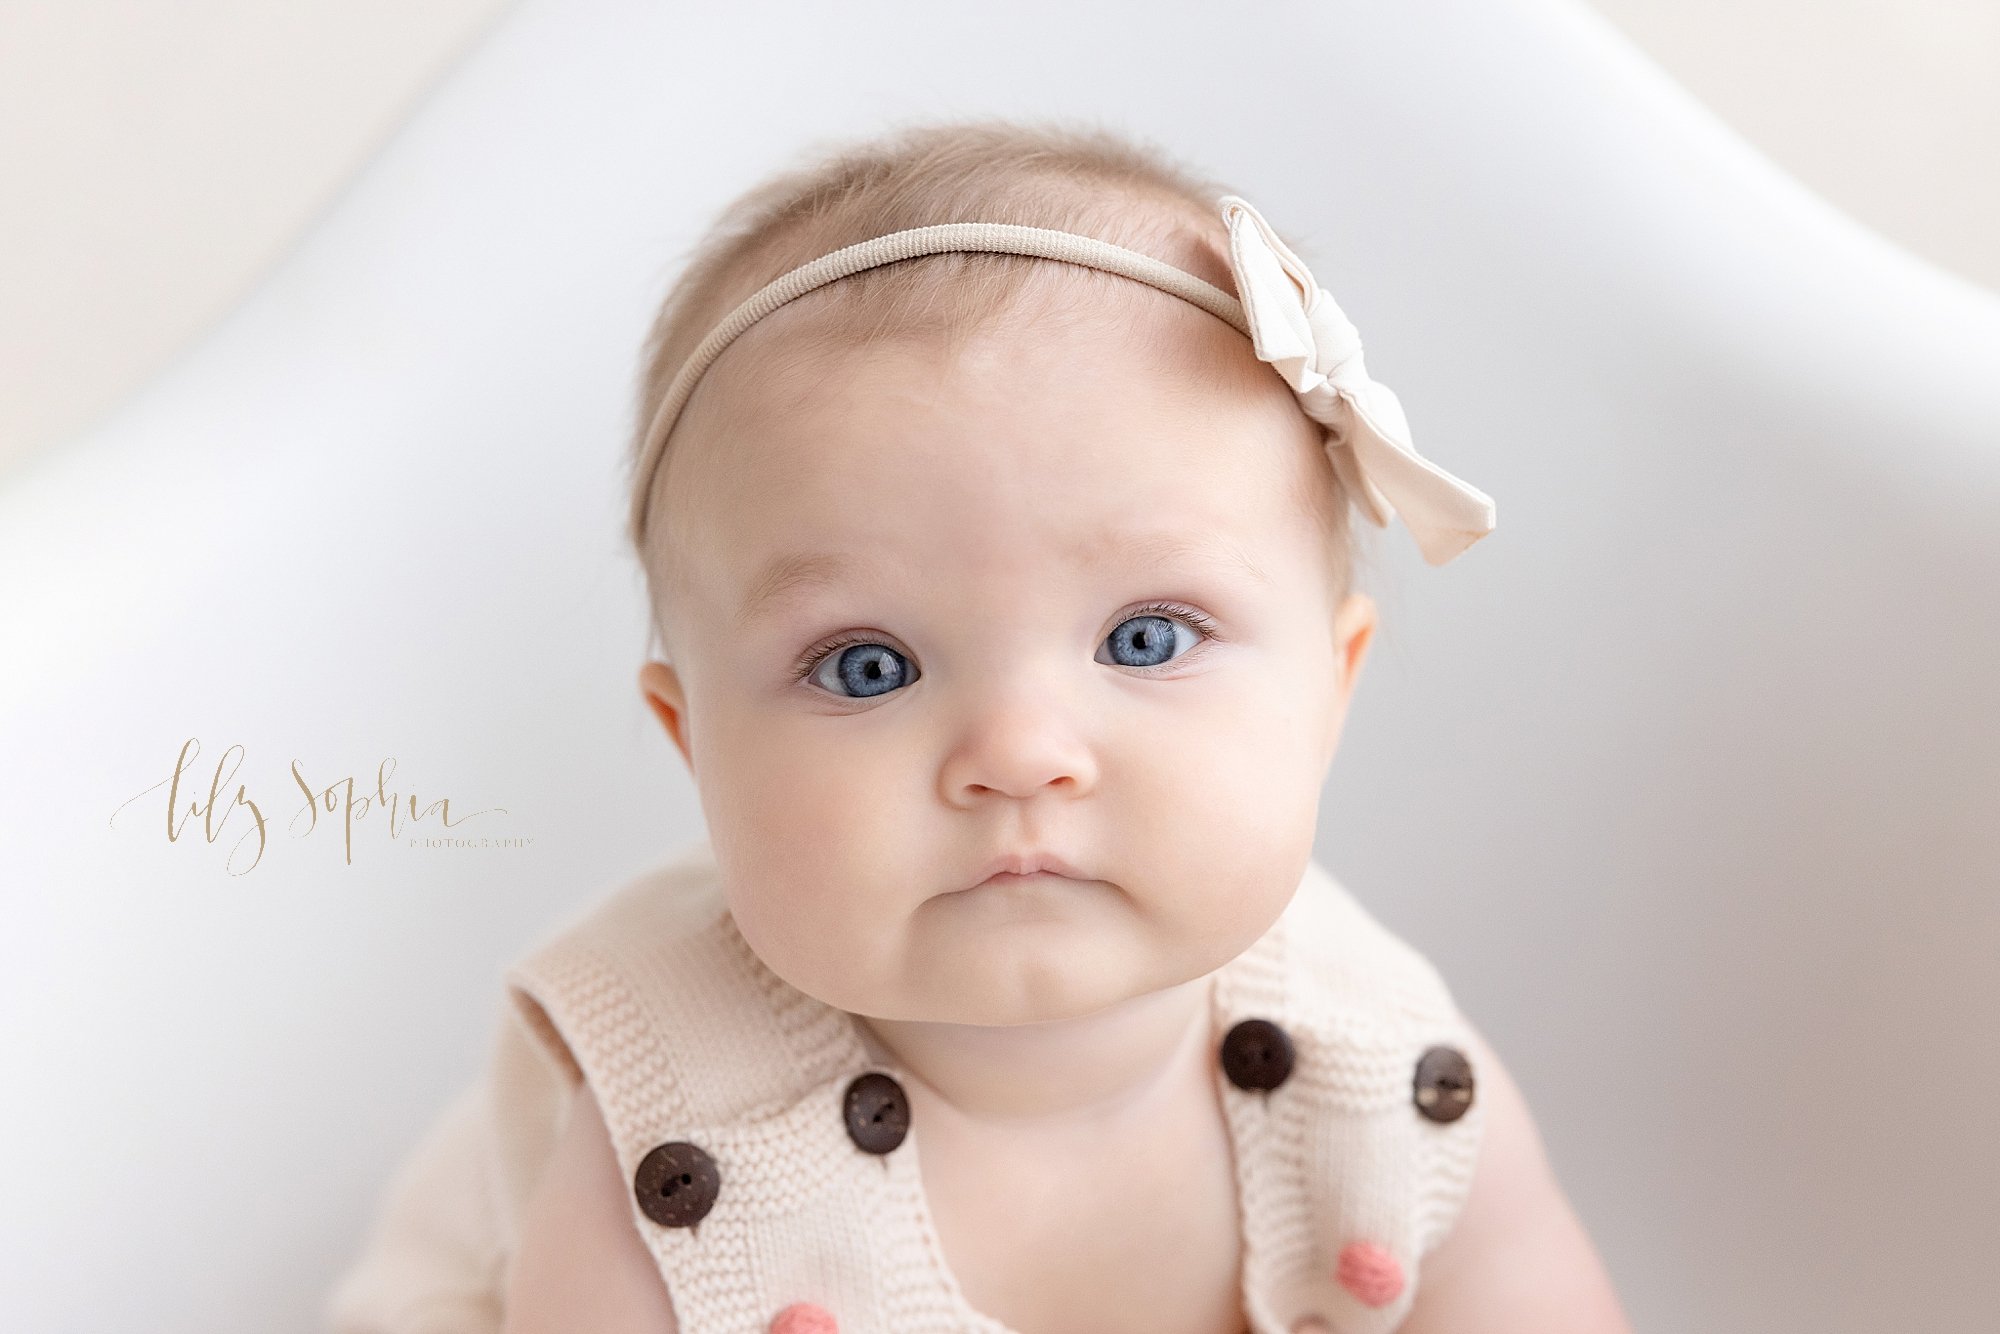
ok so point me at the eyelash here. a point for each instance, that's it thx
(809, 662)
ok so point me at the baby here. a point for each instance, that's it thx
(1003, 576)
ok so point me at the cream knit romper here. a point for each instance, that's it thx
(771, 1163)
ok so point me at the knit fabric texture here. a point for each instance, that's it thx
(684, 1034)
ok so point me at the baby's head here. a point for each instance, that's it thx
(980, 554)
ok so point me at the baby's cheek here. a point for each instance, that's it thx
(821, 868)
(805, 923)
(1249, 804)
(796, 803)
(1258, 741)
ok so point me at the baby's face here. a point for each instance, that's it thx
(1022, 618)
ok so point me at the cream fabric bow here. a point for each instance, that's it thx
(1297, 327)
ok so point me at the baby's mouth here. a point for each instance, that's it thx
(1007, 879)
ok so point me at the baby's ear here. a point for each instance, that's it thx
(1353, 632)
(660, 684)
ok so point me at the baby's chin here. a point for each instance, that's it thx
(1003, 974)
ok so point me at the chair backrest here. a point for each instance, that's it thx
(1686, 778)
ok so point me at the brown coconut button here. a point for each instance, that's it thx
(677, 1184)
(1443, 1085)
(877, 1112)
(1257, 1054)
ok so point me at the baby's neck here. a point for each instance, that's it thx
(1076, 1074)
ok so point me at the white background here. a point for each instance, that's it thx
(1686, 778)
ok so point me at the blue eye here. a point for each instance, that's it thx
(1148, 638)
(857, 667)
(865, 667)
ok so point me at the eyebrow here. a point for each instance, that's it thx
(789, 578)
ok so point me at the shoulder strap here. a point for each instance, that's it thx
(727, 1094)
(1348, 1180)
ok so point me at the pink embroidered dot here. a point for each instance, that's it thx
(804, 1318)
(1369, 1272)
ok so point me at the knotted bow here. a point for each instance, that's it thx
(1297, 327)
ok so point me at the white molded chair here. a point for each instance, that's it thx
(1686, 778)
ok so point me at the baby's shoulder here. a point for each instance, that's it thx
(578, 1253)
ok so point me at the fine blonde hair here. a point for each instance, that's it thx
(1066, 176)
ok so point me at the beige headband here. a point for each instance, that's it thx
(1292, 321)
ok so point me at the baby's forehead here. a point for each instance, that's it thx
(1068, 427)
(1101, 356)
(1129, 330)
(1138, 416)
